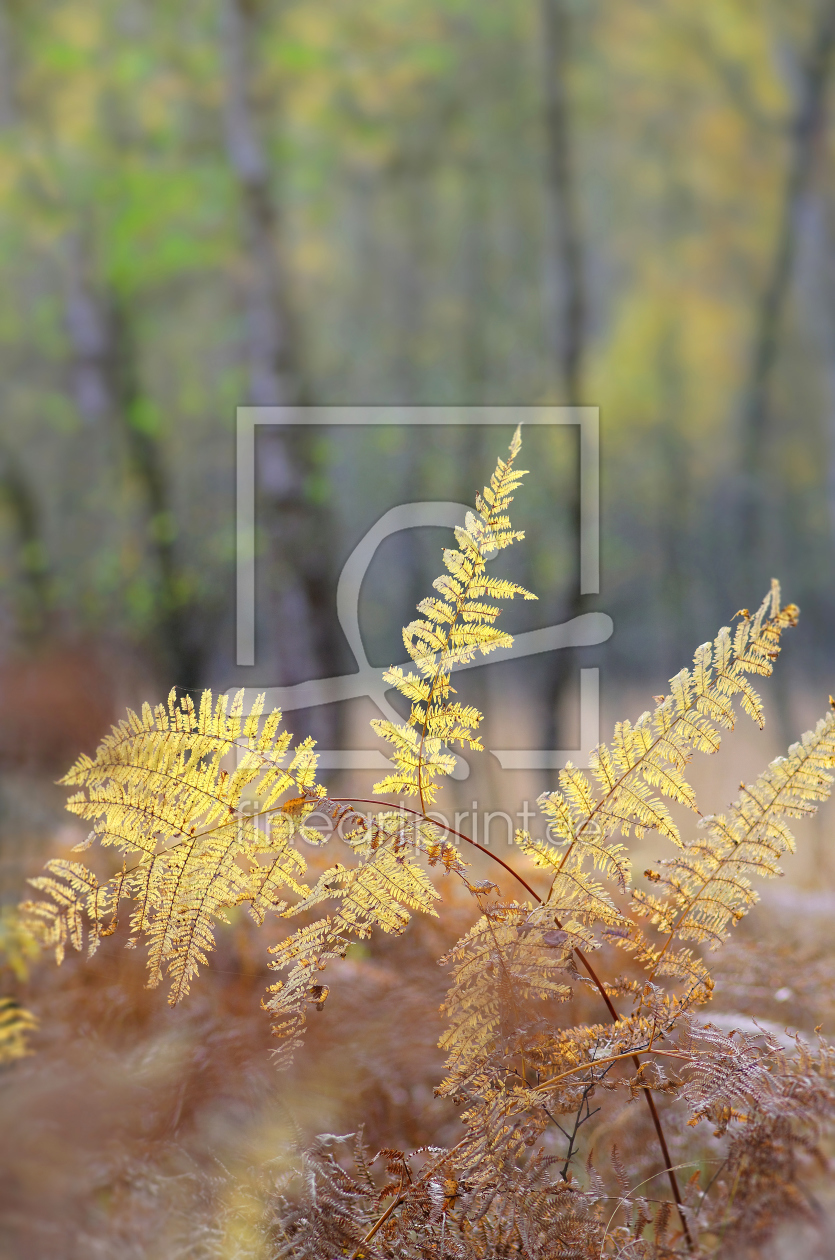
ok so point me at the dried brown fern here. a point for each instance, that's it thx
(166, 793)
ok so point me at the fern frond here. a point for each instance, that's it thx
(709, 884)
(646, 761)
(491, 1029)
(453, 629)
(381, 892)
(15, 1023)
(269, 882)
(75, 895)
(575, 898)
(157, 790)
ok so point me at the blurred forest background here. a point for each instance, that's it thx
(220, 202)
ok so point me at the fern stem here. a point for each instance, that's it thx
(612, 1058)
(656, 1120)
(398, 1199)
(419, 813)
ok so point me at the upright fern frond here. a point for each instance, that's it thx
(510, 957)
(453, 628)
(646, 762)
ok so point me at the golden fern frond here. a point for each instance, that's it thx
(76, 899)
(15, 1023)
(157, 790)
(492, 1041)
(575, 897)
(381, 892)
(160, 776)
(453, 628)
(268, 882)
(709, 884)
(18, 946)
(646, 761)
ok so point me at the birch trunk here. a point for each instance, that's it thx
(296, 591)
(805, 132)
(107, 390)
(568, 332)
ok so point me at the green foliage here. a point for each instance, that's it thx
(393, 136)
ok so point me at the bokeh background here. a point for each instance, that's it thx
(222, 202)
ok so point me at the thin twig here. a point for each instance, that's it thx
(669, 1169)
(419, 813)
(579, 1121)
(709, 1185)
(398, 1199)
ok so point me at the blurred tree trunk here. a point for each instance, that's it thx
(275, 376)
(34, 602)
(824, 318)
(569, 331)
(290, 477)
(108, 392)
(816, 285)
(806, 130)
(33, 613)
(675, 503)
(565, 268)
(409, 258)
(475, 301)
